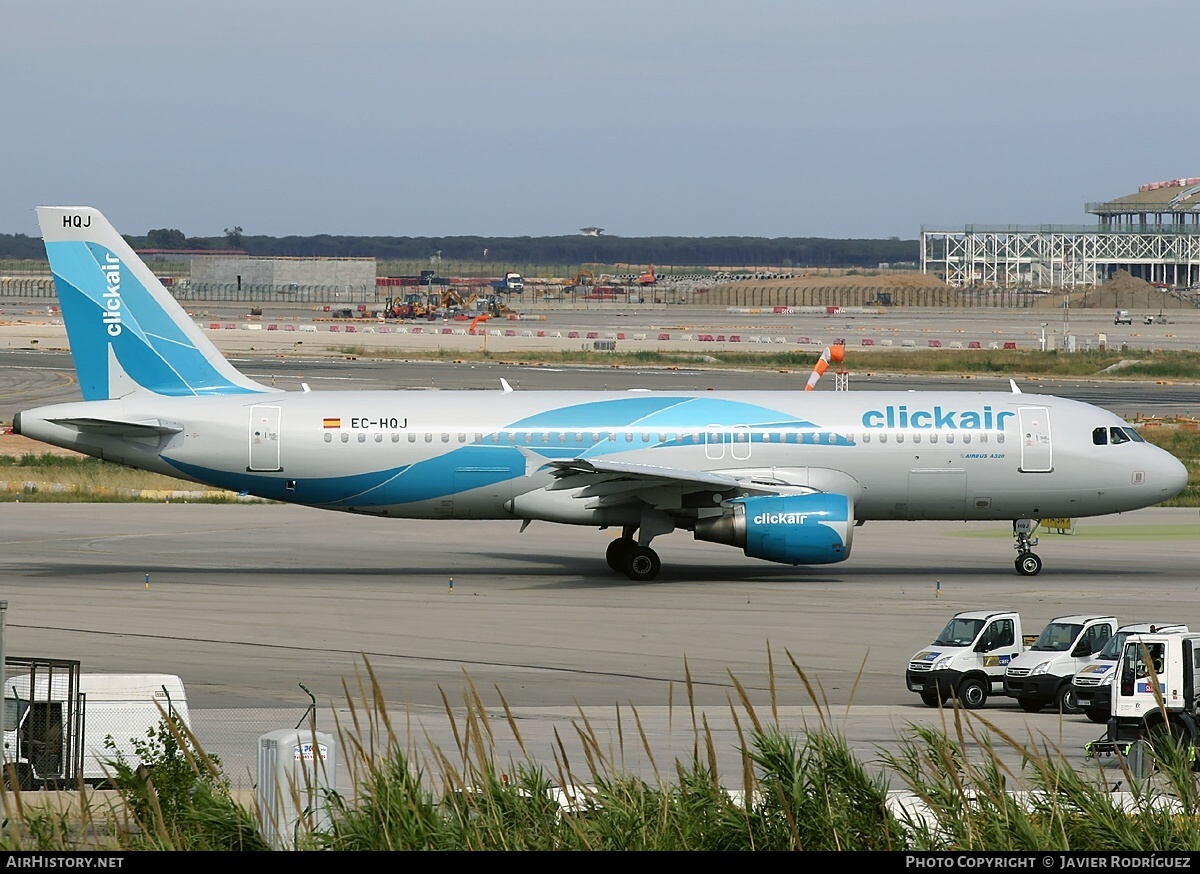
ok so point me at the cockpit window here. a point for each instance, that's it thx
(1134, 435)
(1100, 436)
(1117, 435)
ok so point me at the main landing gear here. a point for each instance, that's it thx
(1028, 564)
(635, 558)
(639, 563)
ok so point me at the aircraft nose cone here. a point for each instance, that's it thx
(1174, 476)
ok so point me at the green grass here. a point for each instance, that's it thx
(983, 790)
(1149, 365)
(54, 478)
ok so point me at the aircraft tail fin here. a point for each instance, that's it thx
(127, 333)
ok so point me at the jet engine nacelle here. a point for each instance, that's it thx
(789, 529)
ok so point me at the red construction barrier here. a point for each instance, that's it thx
(664, 336)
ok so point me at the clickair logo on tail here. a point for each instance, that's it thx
(112, 294)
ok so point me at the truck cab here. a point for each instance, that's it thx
(1154, 694)
(967, 659)
(1092, 684)
(1123, 318)
(1042, 674)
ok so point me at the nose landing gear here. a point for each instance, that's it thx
(1028, 564)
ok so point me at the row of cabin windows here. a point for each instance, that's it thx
(933, 437)
(718, 437)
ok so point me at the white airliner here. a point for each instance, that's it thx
(785, 476)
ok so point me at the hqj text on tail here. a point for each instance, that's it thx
(783, 476)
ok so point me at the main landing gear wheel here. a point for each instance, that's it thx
(616, 552)
(641, 564)
(1028, 564)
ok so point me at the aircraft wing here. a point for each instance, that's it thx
(653, 475)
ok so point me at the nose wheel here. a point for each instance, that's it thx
(1027, 564)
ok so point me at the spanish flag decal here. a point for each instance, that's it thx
(333, 423)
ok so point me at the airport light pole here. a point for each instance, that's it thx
(1044, 324)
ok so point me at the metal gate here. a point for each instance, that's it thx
(43, 722)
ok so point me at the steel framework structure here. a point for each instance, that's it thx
(1059, 257)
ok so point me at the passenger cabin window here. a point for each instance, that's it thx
(328, 437)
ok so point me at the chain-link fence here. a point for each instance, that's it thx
(63, 726)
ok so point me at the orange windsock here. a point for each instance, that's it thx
(831, 353)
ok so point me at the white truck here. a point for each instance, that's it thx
(967, 659)
(1042, 674)
(43, 717)
(1154, 695)
(1123, 318)
(1092, 684)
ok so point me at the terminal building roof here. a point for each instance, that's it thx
(1169, 196)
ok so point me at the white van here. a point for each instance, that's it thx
(39, 723)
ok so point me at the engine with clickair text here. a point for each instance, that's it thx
(790, 529)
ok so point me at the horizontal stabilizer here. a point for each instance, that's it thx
(119, 428)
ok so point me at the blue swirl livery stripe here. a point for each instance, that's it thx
(123, 315)
(406, 484)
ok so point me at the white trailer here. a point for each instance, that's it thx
(55, 734)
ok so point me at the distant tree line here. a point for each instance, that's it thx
(573, 249)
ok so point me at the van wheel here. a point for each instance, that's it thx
(1097, 716)
(1031, 705)
(972, 693)
(931, 699)
(1068, 701)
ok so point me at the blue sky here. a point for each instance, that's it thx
(856, 118)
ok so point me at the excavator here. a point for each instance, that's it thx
(647, 278)
(583, 279)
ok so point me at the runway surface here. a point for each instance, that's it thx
(247, 602)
